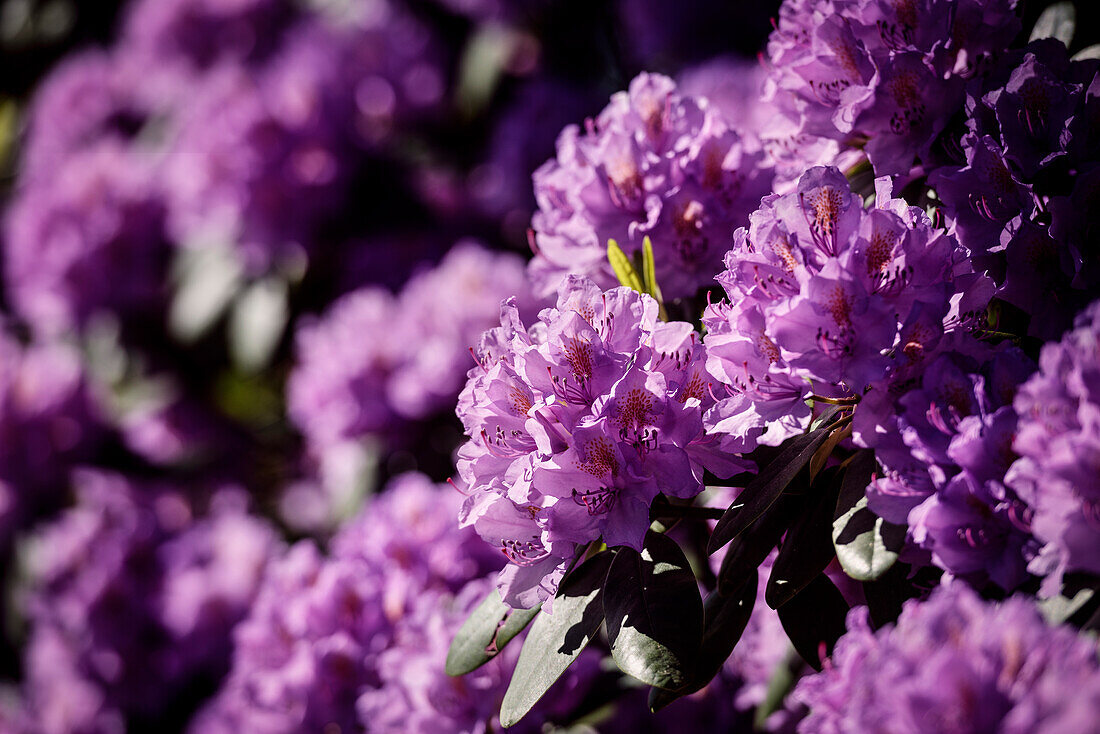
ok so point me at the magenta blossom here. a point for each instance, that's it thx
(576, 425)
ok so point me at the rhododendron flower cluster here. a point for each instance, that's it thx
(1059, 446)
(576, 425)
(880, 74)
(654, 162)
(1026, 177)
(824, 297)
(133, 593)
(956, 663)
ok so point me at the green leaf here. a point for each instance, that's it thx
(1057, 21)
(1088, 52)
(749, 549)
(761, 492)
(485, 633)
(555, 640)
(808, 546)
(725, 618)
(624, 269)
(866, 545)
(1058, 609)
(814, 619)
(886, 594)
(654, 613)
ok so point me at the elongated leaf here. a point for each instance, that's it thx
(725, 619)
(814, 620)
(1088, 52)
(654, 613)
(555, 640)
(759, 495)
(886, 594)
(1057, 21)
(485, 633)
(866, 545)
(808, 547)
(624, 269)
(749, 549)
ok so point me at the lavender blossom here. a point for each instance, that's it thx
(575, 426)
(1059, 446)
(375, 360)
(885, 75)
(133, 596)
(956, 664)
(47, 424)
(825, 298)
(310, 646)
(945, 442)
(655, 163)
(1019, 195)
(89, 238)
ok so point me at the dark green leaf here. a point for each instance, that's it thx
(808, 546)
(759, 495)
(485, 633)
(886, 594)
(814, 619)
(749, 549)
(1057, 21)
(866, 545)
(725, 620)
(654, 613)
(555, 640)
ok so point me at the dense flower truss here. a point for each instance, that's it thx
(883, 75)
(656, 163)
(575, 426)
(415, 694)
(1058, 440)
(375, 359)
(85, 239)
(310, 645)
(190, 36)
(943, 435)
(1021, 193)
(825, 297)
(87, 98)
(47, 423)
(956, 664)
(132, 595)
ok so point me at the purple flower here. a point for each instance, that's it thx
(195, 35)
(880, 73)
(1020, 194)
(1058, 440)
(955, 664)
(655, 163)
(88, 98)
(133, 594)
(375, 362)
(575, 426)
(257, 163)
(310, 646)
(945, 442)
(417, 696)
(88, 238)
(825, 298)
(47, 424)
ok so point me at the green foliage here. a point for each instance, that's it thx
(485, 633)
(654, 613)
(556, 639)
